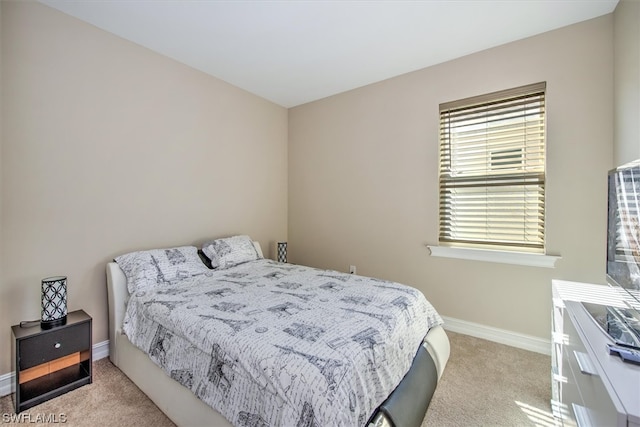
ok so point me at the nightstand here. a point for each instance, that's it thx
(51, 362)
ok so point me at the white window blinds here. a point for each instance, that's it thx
(492, 170)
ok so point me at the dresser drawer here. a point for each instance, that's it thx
(570, 396)
(597, 404)
(602, 411)
(569, 392)
(43, 348)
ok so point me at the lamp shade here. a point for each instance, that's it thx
(282, 251)
(54, 302)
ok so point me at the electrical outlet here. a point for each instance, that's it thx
(352, 269)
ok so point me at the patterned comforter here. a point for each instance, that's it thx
(272, 344)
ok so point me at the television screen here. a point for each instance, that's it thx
(623, 230)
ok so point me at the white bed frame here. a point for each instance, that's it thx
(175, 400)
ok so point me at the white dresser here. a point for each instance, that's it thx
(590, 387)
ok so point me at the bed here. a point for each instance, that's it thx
(272, 314)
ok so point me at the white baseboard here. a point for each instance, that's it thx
(100, 350)
(502, 336)
(7, 381)
(6, 384)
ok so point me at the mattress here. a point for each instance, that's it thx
(267, 343)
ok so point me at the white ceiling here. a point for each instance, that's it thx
(293, 52)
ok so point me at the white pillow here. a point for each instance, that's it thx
(147, 269)
(230, 251)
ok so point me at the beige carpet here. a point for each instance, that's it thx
(490, 384)
(485, 384)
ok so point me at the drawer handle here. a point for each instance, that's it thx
(582, 415)
(584, 364)
(57, 345)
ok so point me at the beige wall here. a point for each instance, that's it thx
(363, 182)
(627, 81)
(108, 147)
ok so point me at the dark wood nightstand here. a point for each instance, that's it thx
(51, 362)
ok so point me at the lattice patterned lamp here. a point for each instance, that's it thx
(282, 251)
(54, 302)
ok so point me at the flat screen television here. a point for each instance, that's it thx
(623, 254)
(623, 231)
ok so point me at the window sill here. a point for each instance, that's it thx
(487, 255)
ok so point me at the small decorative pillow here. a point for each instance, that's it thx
(147, 269)
(230, 251)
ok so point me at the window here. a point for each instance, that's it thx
(492, 171)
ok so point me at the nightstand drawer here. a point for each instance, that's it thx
(53, 345)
